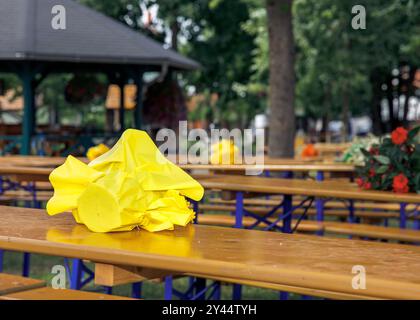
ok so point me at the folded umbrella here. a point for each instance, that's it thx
(132, 185)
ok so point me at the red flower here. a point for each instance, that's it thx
(374, 151)
(372, 172)
(399, 135)
(367, 185)
(360, 182)
(400, 184)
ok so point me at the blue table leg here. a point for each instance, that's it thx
(26, 264)
(351, 212)
(403, 217)
(287, 228)
(76, 274)
(195, 208)
(168, 288)
(218, 292)
(284, 295)
(200, 285)
(237, 292)
(1, 260)
(108, 290)
(239, 212)
(136, 290)
(319, 203)
(287, 207)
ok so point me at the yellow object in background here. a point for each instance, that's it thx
(224, 152)
(131, 185)
(96, 151)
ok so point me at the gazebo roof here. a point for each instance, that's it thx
(90, 37)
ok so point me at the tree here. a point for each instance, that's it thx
(281, 79)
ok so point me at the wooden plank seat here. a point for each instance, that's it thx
(48, 293)
(25, 195)
(330, 227)
(329, 204)
(310, 212)
(10, 283)
(13, 287)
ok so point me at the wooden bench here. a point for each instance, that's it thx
(311, 212)
(14, 287)
(11, 283)
(48, 293)
(319, 264)
(329, 204)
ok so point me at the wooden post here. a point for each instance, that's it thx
(29, 121)
(121, 85)
(138, 111)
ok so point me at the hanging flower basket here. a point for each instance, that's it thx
(83, 89)
(393, 164)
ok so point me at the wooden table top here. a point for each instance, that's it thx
(22, 173)
(295, 167)
(283, 164)
(289, 259)
(334, 189)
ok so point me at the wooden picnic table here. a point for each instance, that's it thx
(248, 256)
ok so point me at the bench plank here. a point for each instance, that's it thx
(48, 293)
(10, 283)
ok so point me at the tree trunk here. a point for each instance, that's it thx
(282, 78)
(345, 114)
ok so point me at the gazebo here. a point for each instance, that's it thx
(90, 42)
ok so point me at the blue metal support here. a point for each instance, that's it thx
(351, 212)
(239, 212)
(1, 260)
(136, 290)
(319, 202)
(200, 288)
(76, 274)
(168, 288)
(26, 264)
(236, 292)
(403, 217)
(108, 290)
(287, 208)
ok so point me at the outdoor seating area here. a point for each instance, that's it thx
(141, 157)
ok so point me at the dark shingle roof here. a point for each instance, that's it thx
(90, 37)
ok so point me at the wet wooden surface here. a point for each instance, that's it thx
(310, 262)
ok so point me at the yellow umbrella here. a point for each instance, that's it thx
(131, 185)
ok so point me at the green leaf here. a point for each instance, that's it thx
(382, 169)
(412, 134)
(382, 159)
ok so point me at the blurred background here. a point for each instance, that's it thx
(292, 67)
